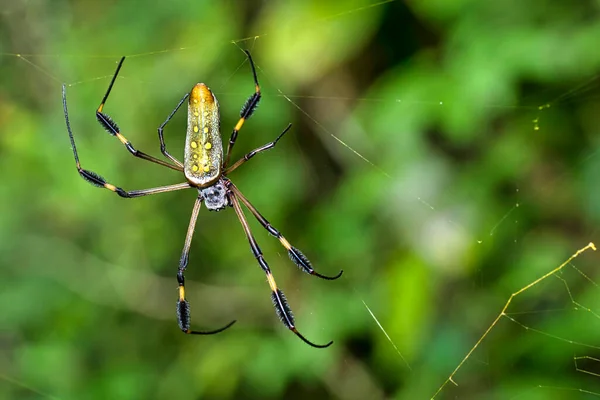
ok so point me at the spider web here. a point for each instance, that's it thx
(445, 233)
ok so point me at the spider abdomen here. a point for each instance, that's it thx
(203, 156)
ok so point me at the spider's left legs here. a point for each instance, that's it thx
(163, 146)
(97, 180)
(246, 111)
(279, 301)
(295, 255)
(183, 307)
(111, 127)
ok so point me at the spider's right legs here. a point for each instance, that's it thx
(282, 307)
(246, 112)
(295, 255)
(183, 307)
(254, 152)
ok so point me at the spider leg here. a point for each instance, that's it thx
(99, 181)
(260, 149)
(295, 255)
(111, 127)
(279, 301)
(246, 112)
(163, 146)
(183, 307)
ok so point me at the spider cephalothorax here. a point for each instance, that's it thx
(215, 196)
(206, 169)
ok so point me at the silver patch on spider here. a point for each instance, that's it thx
(215, 196)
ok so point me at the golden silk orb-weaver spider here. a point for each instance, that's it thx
(206, 169)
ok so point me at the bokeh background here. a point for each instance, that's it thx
(447, 189)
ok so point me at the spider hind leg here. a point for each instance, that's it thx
(282, 308)
(295, 255)
(183, 306)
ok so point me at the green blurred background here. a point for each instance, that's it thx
(470, 192)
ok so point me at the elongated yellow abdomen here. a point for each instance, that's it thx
(203, 156)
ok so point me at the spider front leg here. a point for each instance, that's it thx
(99, 181)
(295, 255)
(111, 127)
(280, 303)
(183, 307)
(260, 149)
(163, 146)
(246, 112)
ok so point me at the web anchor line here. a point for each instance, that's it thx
(503, 313)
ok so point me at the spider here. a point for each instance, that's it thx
(205, 169)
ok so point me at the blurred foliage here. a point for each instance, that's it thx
(419, 162)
